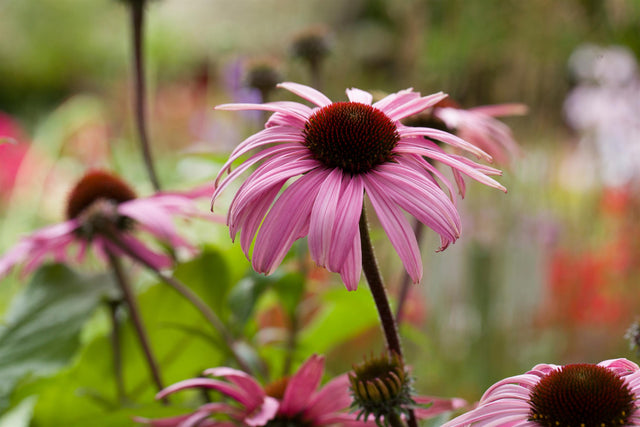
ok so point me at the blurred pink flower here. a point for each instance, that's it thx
(339, 151)
(572, 395)
(100, 204)
(13, 149)
(479, 126)
(292, 401)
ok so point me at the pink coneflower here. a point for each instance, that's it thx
(99, 205)
(289, 401)
(602, 395)
(339, 151)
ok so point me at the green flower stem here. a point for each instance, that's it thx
(137, 23)
(379, 293)
(134, 312)
(418, 228)
(394, 420)
(187, 293)
(372, 273)
(114, 305)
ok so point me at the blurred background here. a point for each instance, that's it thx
(548, 272)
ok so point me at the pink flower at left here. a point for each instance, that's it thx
(289, 401)
(101, 210)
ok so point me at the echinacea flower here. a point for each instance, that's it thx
(290, 401)
(102, 207)
(338, 151)
(602, 395)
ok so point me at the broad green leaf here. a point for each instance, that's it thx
(42, 326)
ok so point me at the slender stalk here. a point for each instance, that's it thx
(114, 305)
(137, 23)
(134, 311)
(372, 273)
(379, 293)
(418, 228)
(187, 293)
(395, 420)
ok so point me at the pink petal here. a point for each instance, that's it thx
(446, 137)
(333, 397)
(285, 221)
(421, 198)
(394, 100)
(245, 383)
(334, 219)
(301, 386)
(292, 109)
(396, 226)
(306, 92)
(352, 267)
(412, 106)
(456, 162)
(357, 95)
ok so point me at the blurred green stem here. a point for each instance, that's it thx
(379, 293)
(187, 293)
(137, 23)
(134, 312)
(114, 306)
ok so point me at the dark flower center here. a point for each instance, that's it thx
(351, 136)
(97, 185)
(277, 388)
(581, 395)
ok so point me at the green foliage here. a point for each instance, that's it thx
(43, 324)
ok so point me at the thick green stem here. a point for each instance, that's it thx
(137, 23)
(379, 293)
(372, 273)
(134, 312)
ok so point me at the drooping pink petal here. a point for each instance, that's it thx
(323, 217)
(420, 198)
(455, 162)
(396, 226)
(446, 137)
(352, 267)
(283, 223)
(260, 139)
(302, 385)
(291, 150)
